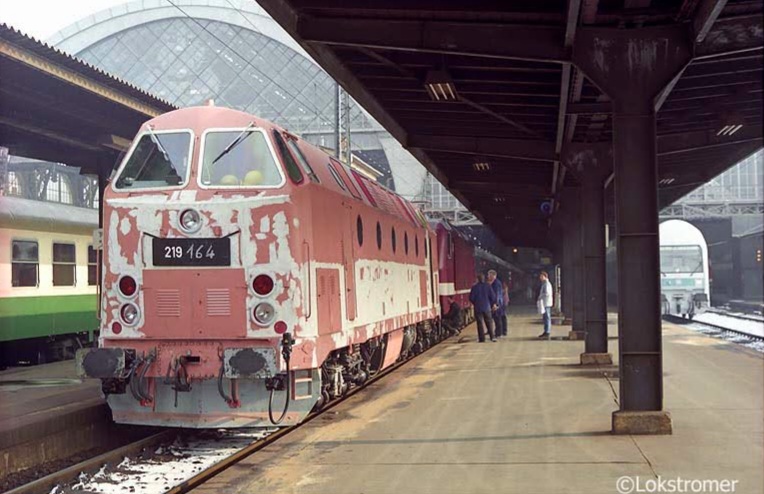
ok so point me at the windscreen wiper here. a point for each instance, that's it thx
(171, 178)
(239, 139)
(700, 265)
(159, 145)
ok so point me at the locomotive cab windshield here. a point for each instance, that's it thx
(158, 159)
(238, 158)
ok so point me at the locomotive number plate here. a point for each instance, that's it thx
(192, 251)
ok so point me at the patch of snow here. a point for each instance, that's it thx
(169, 466)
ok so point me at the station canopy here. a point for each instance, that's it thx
(57, 108)
(485, 93)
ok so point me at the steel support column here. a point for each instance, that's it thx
(567, 304)
(570, 218)
(593, 164)
(633, 66)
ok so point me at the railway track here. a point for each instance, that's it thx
(146, 456)
(735, 324)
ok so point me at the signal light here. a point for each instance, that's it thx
(190, 221)
(128, 286)
(116, 327)
(280, 327)
(264, 313)
(129, 313)
(262, 284)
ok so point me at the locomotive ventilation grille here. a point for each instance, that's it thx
(218, 302)
(168, 303)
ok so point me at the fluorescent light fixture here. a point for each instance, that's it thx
(666, 181)
(728, 130)
(481, 166)
(440, 86)
(735, 129)
(499, 199)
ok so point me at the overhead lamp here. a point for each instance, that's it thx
(481, 166)
(731, 122)
(440, 86)
(728, 130)
(499, 199)
(666, 181)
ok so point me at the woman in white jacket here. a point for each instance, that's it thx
(544, 303)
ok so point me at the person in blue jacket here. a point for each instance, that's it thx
(483, 298)
(499, 310)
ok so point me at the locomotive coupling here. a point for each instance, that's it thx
(287, 342)
(279, 381)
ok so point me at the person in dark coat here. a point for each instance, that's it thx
(453, 320)
(499, 310)
(483, 298)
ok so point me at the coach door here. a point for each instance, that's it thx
(348, 261)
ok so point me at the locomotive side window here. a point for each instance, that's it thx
(346, 179)
(336, 176)
(64, 264)
(239, 158)
(24, 263)
(379, 235)
(406, 242)
(92, 266)
(293, 169)
(359, 230)
(392, 236)
(159, 159)
(301, 159)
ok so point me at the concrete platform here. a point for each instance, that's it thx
(47, 413)
(522, 416)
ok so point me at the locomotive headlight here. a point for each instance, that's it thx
(129, 313)
(190, 221)
(264, 313)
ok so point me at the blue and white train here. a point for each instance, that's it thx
(684, 269)
(685, 289)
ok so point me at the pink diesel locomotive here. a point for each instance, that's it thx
(248, 277)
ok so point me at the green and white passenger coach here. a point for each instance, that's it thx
(48, 280)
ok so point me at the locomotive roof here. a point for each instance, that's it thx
(200, 118)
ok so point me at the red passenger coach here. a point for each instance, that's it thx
(249, 277)
(457, 267)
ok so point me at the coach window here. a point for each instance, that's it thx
(293, 169)
(416, 245)
(24, 263)
(359, 230)
(92, 266)
(379, 235)
(64, 264)
(392, 235)
(406, 242)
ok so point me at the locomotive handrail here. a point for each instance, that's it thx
(306, 252)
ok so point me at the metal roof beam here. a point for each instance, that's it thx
(485, 146)
(705, 16)
(695, 141)
(732, 36)
(455, 38)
